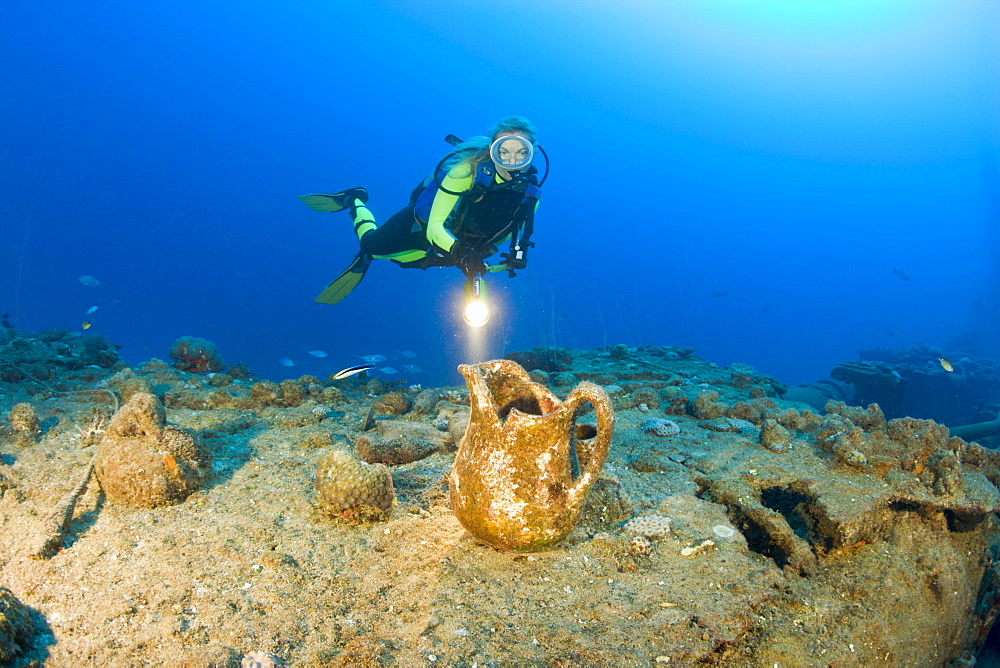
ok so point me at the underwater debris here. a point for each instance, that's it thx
(394, 450)
(533, 500)
(57, 525)
(426, 401)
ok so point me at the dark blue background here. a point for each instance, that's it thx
(790, 156)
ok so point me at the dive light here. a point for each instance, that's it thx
(476, 313)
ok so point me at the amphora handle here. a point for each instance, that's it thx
(587, 392)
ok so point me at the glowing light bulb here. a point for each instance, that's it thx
(476, 313)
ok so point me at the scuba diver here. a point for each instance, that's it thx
(480, 195)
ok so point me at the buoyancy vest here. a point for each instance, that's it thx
(488, 211)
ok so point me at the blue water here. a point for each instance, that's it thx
(782, 157)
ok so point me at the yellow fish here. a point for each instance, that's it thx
(86, 324)
(945, 364)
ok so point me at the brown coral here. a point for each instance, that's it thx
(677, 401)
(646, 395)
(869, 419)
(707, 406)
(293, 393)
(351, 489)
(773, 436)
(266, 393)
(332, 396)
(143, 463)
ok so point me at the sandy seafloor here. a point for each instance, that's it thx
(812, 561)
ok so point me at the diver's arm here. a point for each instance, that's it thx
(517, 258)
(529, 224)
(458, 180)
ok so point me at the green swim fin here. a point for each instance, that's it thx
(336, 201)
(347, 281)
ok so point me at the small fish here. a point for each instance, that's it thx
(766, 308)
(86, 325)
(720, 293)
(945, 364)
(284, 361)
(902, 274)
(351, 370)
(92, 309)
(411, 368)
(408, 354)
(88, 281)
(318, 353)
(388, 370)
(374, 359)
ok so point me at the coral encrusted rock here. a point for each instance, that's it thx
(660, 427)
(196, 355)
(351, 489)
(25, 423)
(143, 463)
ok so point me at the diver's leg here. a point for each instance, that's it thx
(364, 221)
(398, 234)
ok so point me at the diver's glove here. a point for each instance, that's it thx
(517, 259)
(514, 260)
(468, 258)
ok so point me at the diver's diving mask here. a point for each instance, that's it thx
(512, 152)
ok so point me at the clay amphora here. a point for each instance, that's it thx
(524, 466)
